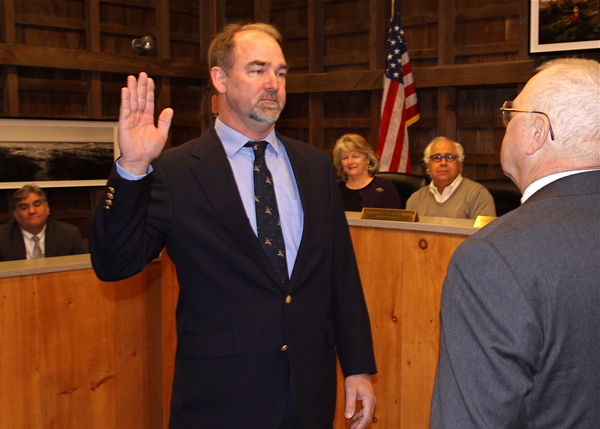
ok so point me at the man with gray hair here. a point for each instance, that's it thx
(450, 194)
(520, 343)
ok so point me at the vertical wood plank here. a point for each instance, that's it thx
(164, 100)
(20, 382)
(524, 6)
(94, 96)
(11, 91)
(131, 354)
(9, 22)
(383, 287)
(262, 11)
(93, 25)
(163, 29)
(316, 64)
(427, 255)
(447, 112)
(446, 96)
(169, 296)
(77, 359)
(378, 32)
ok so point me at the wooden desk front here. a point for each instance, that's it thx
(402, 267)
(77, 352)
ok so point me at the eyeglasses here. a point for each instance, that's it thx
(508, 111)
(438, 158)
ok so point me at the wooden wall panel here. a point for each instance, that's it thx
(67, 59)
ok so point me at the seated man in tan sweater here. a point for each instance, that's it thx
(450, 194)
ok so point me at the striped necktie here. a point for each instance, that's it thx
(37, 249)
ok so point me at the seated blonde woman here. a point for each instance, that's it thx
(356, 163)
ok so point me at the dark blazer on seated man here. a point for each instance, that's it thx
(31, 234)
(62, 239)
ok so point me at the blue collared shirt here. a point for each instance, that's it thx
(241, 160)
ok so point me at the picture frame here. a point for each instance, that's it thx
(564, 25)
(56, 153)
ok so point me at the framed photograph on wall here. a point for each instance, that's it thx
(57, 153)
(564, 25)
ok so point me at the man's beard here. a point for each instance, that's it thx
(268, 115)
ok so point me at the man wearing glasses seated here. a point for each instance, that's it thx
(449, 194)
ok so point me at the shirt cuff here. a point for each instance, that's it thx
(127, 175)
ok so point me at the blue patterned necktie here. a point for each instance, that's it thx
(267, 214)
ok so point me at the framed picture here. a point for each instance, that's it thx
(56, 153)
(564, 25)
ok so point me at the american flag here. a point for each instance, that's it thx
(399, 107)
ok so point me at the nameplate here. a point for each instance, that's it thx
(390, 214)
(482, 221)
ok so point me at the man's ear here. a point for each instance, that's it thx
(541, 132)
(219, 79)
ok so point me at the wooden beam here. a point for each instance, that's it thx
(487, 11)
(474, 74)
(458, 75)
(335, 81)
(50, 22)
(35, 56)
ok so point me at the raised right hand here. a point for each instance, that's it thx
(140, 141)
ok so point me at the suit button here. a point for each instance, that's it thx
(288, 299)
(108, 202)
(110, 196)
(111, 189)
(284, 348)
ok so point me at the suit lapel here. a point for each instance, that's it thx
(223, 195)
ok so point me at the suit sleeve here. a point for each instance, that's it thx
(127, 232)
(488, 342)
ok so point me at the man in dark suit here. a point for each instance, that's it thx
(254, 350)
(32, 234)
(520, 342)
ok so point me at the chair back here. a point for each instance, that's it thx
(506, 194)
(405, 183)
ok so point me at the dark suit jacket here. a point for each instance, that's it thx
(520, 339)
(233, 317)
(62, 239)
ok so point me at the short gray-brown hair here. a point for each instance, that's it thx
(220, 52)
(427, 152)
(23, 192)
